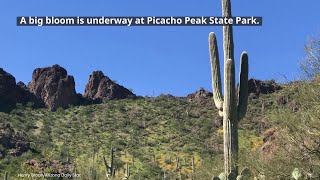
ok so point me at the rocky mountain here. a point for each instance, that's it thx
(258, 87)
(12, 93)
(255, 88)
(7, 91)
(201, 96)
(54, 86)
(101, 87)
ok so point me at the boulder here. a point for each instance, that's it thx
(54, 86)
(100, 87)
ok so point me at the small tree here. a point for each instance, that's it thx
(311, 64)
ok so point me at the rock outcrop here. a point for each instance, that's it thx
(12, 93)
(258, 87)
(269, 145)
(255, 88)
(24, 96)
(54, 86)
(8, 87)
(101, 88)
(14, 142)
(201, 96)
(22, 85)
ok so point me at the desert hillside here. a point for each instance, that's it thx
(60, 131)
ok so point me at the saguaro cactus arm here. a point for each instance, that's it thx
(243, 86)
(228, 109)
(215, 71)
(127, 175)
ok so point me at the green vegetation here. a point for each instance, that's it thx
(172, 137)
(149, 134)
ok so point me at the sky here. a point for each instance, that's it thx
(155, 60)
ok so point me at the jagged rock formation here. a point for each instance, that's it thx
(262, 87)
(14, 142)
(201, 96)
(8, 98)
(24, 96)
(12, 93)
(255, 87)
(22, 85)
(100, 87)
(54, 86)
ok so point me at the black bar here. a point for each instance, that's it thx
(137, 21)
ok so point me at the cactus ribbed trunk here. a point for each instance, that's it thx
(110, 170)
(127, 175)
(231, 110)
(230, 120)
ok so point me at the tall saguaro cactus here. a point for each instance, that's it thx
(110, 170)
(6, 176)
(231, 107)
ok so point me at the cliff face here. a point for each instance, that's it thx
(12, 93)
(54, 86)
(100, 87)
(262, 87)
(8, 98)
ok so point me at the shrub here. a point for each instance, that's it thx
(311, 65)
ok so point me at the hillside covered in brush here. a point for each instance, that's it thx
(47, 128)
(165, 136)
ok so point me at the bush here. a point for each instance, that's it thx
(311, 65)
(297, 143)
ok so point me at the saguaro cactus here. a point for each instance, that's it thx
(110, 168)
(6, 176)
(127, 172)
(231, 110)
